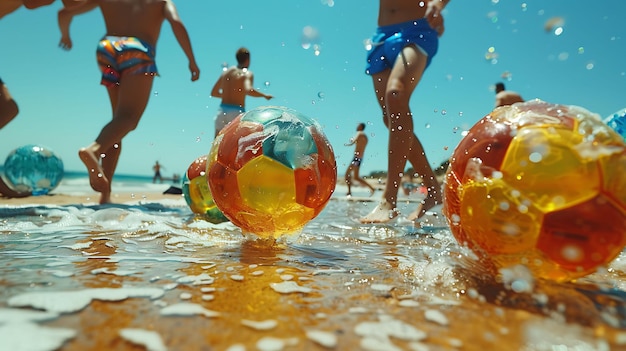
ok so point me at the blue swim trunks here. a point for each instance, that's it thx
(389, 41)
(118, 56)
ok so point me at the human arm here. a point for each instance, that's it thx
(65, 19)
(180, 32)
(249, 88)
(433, 14)
(33, 4)
(217, 87)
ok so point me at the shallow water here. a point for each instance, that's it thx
(151, 275)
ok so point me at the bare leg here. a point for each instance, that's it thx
(394, 89)
(8, 106)
(349, 179)
(362, 181)
(129, 100)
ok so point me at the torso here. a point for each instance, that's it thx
(398, 11)
(360, 141)
(233, 86)
(121, 18)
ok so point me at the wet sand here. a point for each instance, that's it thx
(356, 287)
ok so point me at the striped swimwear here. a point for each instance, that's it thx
(118, 56)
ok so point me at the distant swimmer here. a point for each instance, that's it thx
(506, 97)
(233, 85)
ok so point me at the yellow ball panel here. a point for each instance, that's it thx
(267, 185)
(543, 163)
(497, 218)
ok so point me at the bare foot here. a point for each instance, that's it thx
(422, 208)
(382, 213)
(97, 180)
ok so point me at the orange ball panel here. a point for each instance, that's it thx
(241, 142)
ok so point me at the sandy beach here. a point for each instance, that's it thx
(146, 274)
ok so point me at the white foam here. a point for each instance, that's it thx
(323, 338)
(14, 315)
(30, 336)
(149, 339)
(185, 309)
(289, 287)
(260, 325)
(74, 301)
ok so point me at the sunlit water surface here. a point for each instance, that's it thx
(152, 275)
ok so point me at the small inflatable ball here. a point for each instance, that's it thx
(271, 170)
(617, 121)
(539, 185)
(33, 168)
(197, 194)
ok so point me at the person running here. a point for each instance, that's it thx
(126, 56)
(233, 85)
(405, 43)
(360, 142)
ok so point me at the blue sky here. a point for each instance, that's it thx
(63, 106)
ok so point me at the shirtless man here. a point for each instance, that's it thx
(403, 46)
(126, 58)
(233, 85)
(506, 97)
(360, 142)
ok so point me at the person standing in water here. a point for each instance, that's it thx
(233, 85)
(360, 142)
(405, 42)
(126, 56)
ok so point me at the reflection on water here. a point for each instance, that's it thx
(104, 272)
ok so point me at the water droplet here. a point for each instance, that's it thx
(267, 83)
(156, 93)
(444, 112)
(321, 95)
(198, 139)
(427, 125)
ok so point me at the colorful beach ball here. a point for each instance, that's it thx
(539, 185)
(271, 171)
(197, 194)
(33, 168)
(617, 121)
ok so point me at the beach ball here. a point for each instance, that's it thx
(271, 170)
(197, 194)
(617, 121)
(33, 168)
(539, 185)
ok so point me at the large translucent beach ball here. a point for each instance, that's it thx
(539, 185)
(271, 171)
(617, 121)
(197, 193)
(33, 168)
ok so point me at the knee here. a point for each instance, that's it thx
(396, 91)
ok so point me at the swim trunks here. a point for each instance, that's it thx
(225, 114)
(389, 41)
(356, 161)
(118, 56)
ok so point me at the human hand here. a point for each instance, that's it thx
(434, 17)
(195, 71)
(65, 43)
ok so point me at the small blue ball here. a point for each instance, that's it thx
(617, 121)
(33, 168)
